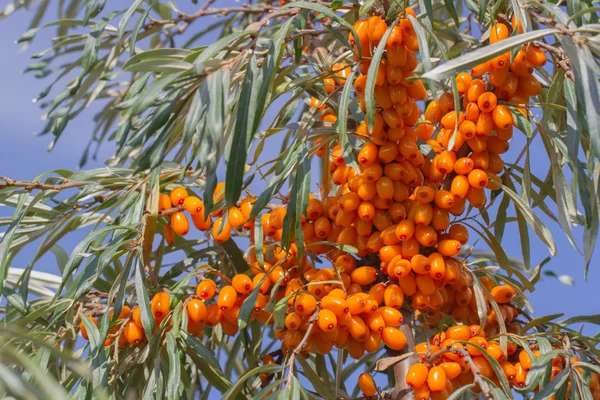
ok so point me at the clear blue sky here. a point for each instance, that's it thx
(23, 156)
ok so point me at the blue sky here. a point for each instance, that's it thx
(23, 156)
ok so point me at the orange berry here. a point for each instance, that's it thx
(193, 205)
(242, 283)
(82, 328)
(227, 297)
(503, 294)
(161, 302)
(206, 289)
(221, 230)
(178, 196)
(367, 384)
(364, 275)
(502, 117)
(133, 333)
(478, 178)
(305, 304)
(180, 224)
(164, 202)
(393, 338)
(498, 32)
(487, 101)
(436, 379)
(416, 376)
(196, 310)
(169, 235)
(201, 223)
(327, 321)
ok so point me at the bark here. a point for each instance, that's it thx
(402, 391)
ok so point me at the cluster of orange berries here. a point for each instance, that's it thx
(446, 363)
(178, 224)
(128, 326)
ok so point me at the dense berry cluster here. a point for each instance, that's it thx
(416, 170)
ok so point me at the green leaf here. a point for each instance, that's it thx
(174, 380)
(366, 7)
(8, 237)
(127, 17)
(538, 227)
(457, 394)
(135, 31)
(454, 66)
(243, 132)
(241, 382)
(143, 298)
(342, 121)
(315, 379)
(372, 75)
(523, 124)
(207, 363)
(235, 256)
(452, 11)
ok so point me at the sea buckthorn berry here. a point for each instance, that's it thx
(200, 222)
(169, 235)
(501, 61)
(463, 81)
(164, 202)
(405, 230)
(487, 101)
(449, 247)
(196, 310)
(367, 384)
(393, 338)
(476, 89)
(460, 186)
(206, 289)
(82, 328)
(478, 178)
(242, 283)
(221, 230)
(180, 224)
(529, 86)
(377, 28)
(481, 69)
(393, 296)
(452, 369)
(499, 32)
(133, 333)
(305, 304)
(525, 360)
(503, 294)
(193, 205)
(327, 321)
(236, 218)
(314, 209)
(364, 275)
(178, 196)
(161, 303)
(502, 117)
(436, 379)
(391, 316)
(227, 297)
(451, 118)
(468, 129)
(459, 232)
(416, 375)
(536, 56)
(293, 321)
(458, 332)
(499, 76)
(463, 165)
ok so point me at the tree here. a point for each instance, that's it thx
(357, 229)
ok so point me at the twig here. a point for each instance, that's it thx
(298, 349)
(559, 58)
(485, 388)
(30, 185)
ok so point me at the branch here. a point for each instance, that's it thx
(30, 185)
(298, 349)
(485, 388)
(403, 391)
(559, 57)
